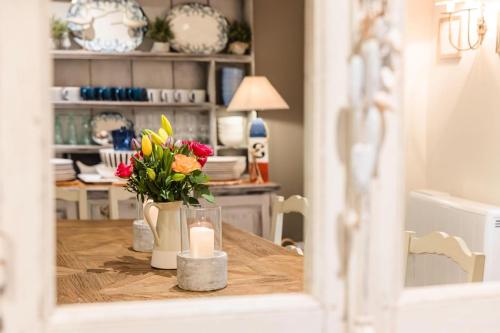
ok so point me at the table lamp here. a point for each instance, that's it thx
(256, 93)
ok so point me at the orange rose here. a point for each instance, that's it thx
(185, 164)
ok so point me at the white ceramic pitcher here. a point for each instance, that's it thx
(167, 233)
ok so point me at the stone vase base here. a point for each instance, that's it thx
(202, 274)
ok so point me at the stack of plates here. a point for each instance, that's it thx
(225, 167)
(63, 169)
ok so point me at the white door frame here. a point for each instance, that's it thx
(26, 197)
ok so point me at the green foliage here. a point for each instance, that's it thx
(239, 32)
(57, 28)
(159, 30)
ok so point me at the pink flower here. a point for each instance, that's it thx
(124, 170)
(137, 156)
(201, 150)
(202, 161)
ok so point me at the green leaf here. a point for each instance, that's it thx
(209, 197)
(199, 179)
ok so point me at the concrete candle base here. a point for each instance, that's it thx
(202, 274)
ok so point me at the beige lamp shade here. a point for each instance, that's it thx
(256, 93)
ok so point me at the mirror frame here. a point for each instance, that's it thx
(26, 200)
(393, 308)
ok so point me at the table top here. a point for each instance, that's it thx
(217, 187)
(96, 263)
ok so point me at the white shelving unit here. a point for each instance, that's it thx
(141, 68)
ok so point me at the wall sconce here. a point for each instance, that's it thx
(465, 6)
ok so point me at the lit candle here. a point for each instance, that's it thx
(201, 242)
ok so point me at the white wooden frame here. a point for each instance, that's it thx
(26, 192)
(439, 309)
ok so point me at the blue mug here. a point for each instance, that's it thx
(137, 94)
(106, 94)
(98, 93)
(122, 138)
(87, 93)
(122, 94)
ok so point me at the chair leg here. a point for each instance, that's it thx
(82, 205)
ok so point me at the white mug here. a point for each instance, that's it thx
(181, 96)
(71, 94)
(167, 96)
(197, 96)
(56, 93)
(154, 95)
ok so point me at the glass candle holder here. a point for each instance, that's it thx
(201, 231)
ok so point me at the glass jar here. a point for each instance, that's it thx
(201, 231)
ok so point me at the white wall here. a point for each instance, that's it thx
(453, 135)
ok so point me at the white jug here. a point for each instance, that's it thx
(167, 233)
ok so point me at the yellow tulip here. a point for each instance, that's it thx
(166, 125)
(163, 134)
(157, 139)
(147, 148)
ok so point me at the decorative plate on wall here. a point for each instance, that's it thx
(198, 29)
(107, 25)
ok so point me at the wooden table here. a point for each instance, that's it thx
(95, 263)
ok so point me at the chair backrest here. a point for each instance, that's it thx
(117, 193)
(77, 195)
(441, 243)
(280, 206)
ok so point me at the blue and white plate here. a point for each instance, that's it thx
(107, 25)
(197, 29)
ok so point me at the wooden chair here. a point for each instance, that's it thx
(116, 194)
(280, 206)
(77, 195)
(441, 243)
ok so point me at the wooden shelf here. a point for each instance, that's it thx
(78, 148)
(139, 55)
(122, 105)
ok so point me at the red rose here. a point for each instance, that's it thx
(201, 150)
(202, 161)
(124, 171)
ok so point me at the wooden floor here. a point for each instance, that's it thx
(95, 263)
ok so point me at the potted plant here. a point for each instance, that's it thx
(240, 37)
(168, 174)
(159, 31)
(60, 34)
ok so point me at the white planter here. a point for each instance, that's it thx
(143, 237)
(160, 47)
(238, 48)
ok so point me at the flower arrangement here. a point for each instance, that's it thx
(165, 170)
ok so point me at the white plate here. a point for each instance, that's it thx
(225, 159)
(95, 178)
(107, 26)
(198, 29)
(60, 161)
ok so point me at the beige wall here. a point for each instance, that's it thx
(460, 142)
(279, 47)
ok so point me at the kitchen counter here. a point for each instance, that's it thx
(95, 263)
